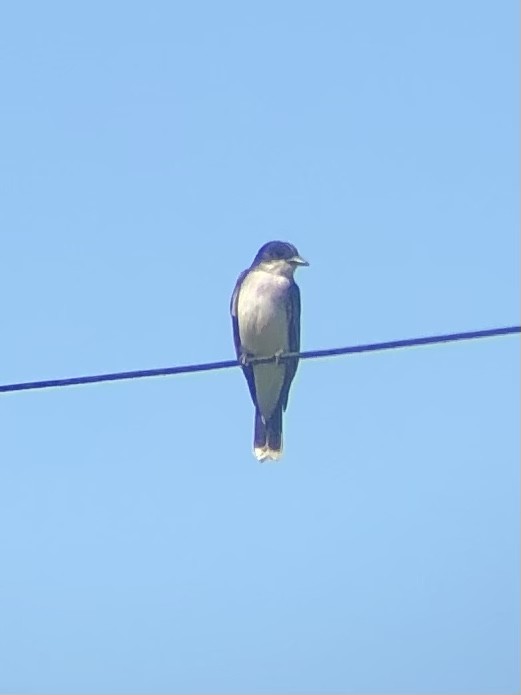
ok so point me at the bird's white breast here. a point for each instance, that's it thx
(263, 331)
(262, 314)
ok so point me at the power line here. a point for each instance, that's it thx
(309, 354)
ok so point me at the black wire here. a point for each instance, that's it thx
(309, 354)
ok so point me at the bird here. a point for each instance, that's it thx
(265, 311)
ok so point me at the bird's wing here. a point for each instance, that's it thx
(293, 310)
(233, 312)
(247, 369)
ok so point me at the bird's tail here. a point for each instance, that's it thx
(267, 440)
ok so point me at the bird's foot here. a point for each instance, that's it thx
(278, 355)
(244, 359)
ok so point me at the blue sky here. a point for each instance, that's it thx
(146, 151)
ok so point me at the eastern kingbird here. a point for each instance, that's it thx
(265, 309)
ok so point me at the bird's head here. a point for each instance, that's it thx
(279, 257)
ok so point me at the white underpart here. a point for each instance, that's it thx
(263, 330)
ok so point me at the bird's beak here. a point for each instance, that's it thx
(298, 260)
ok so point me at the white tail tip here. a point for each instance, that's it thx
(265, 453)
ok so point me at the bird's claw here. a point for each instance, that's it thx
(244, 359)
(278, 355)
